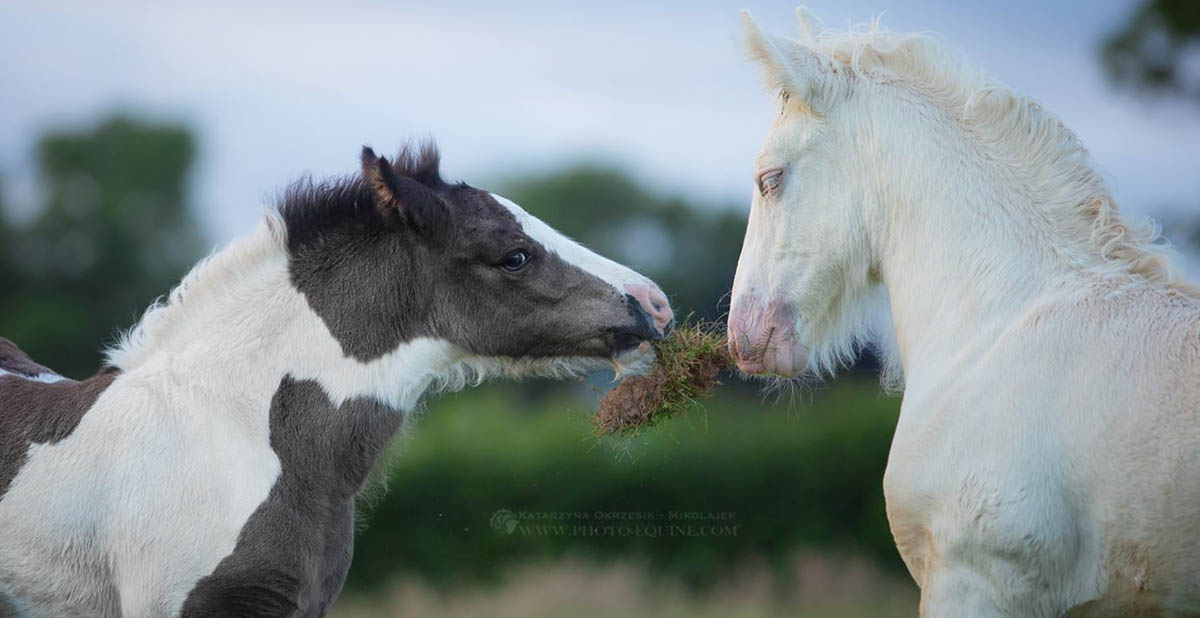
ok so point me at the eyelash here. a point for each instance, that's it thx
(769, 181)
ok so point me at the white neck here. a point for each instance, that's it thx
(959, 267)
(237, 326)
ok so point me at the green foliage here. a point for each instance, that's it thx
(791, 477)
(7, 237)
(114, 234)
(1150, 50)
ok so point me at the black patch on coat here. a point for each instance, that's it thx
(292, 556)
(34, 412)
(397, 253)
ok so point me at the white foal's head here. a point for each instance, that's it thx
(888, 140)
(805, 273)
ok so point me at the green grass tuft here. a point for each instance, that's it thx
(685, 370)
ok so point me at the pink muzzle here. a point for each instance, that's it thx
(654, 303)
(762, 338)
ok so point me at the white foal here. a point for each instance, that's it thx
(1047, 457)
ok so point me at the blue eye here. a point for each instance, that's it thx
(515, 260)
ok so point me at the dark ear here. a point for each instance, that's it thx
(403, 201)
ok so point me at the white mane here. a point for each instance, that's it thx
(206, 278)
(1046, 159)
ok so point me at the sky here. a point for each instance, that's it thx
(277, 90)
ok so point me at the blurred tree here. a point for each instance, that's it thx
(114, 234)
(691, 252)
(7, 276)
(1158, 49)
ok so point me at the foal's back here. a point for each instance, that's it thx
(40, 407)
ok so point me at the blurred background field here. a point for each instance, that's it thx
(773, 508)
(501, 501)
(824, 585)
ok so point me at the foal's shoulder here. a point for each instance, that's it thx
(14, 361)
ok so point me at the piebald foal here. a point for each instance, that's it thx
(210, 469)
(1047, 458)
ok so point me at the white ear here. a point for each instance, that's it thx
(803, 73)
(810, 27)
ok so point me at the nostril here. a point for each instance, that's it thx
(654, 303)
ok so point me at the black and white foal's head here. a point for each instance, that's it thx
(398, 255)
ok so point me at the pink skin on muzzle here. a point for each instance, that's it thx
(762, 338)
(654, 303)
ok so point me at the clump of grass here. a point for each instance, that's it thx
(685, 370)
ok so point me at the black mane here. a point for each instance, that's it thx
(312, 209)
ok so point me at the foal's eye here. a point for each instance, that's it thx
(769, 180)
(514, 261)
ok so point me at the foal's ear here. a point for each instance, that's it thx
(403, 201)
(801, 72)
